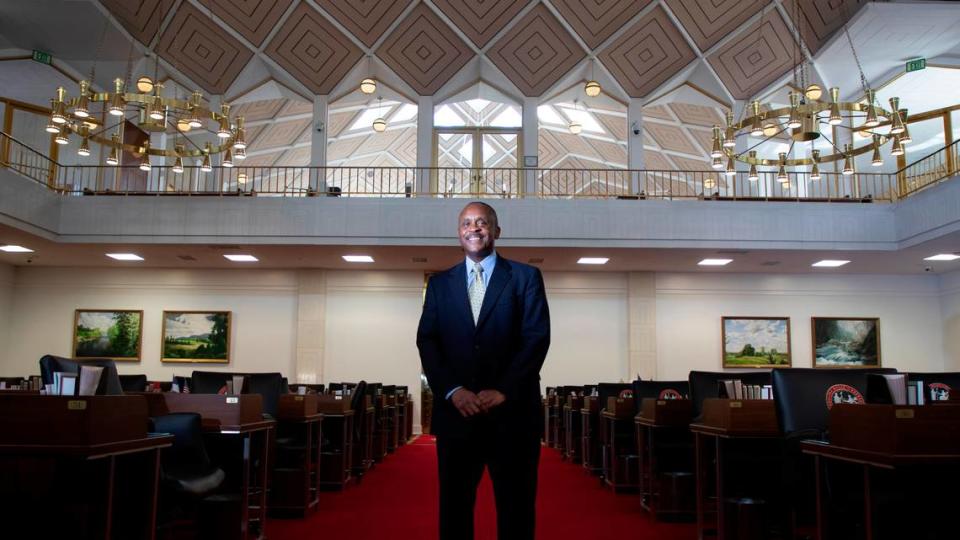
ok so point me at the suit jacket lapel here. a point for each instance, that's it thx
(458, 284)
(499, 280)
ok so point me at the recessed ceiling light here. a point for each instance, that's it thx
(242, 258)
(15, 249)
(829, 263)
(358, 258)
(125, 256)
(715, 262)
(940, 257)
(593, 260)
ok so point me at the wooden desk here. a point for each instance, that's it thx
(78, 467)
(571, 429)
(409, 418)
(391, 416)
(380, 432)
(901, 451)
(295, 485)
(590, 435)
(550, 421)
(732, 434)
(618, 450)
(559, 437)
(239, 442)
(665, 445)
(364, 452)
(336, 462)
(403, 433)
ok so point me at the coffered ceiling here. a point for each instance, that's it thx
(639, 48)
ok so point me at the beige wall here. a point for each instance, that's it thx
(950, 313)
(6, 307)
(367, 322)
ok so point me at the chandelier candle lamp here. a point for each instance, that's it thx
(808, 119)
(100, 117)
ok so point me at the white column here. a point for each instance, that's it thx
(642, 321)
(311, 325)
(531, 143)
(424, 143)
(318, 144)
(635, 158)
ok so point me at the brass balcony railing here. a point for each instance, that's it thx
(442, 182)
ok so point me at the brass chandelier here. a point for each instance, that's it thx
(100, 117)
(809, 111)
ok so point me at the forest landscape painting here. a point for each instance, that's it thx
(114, 334)
(846, 342)
(196, 336)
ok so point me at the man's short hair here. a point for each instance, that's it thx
(490, 209)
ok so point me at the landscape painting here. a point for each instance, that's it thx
(756, 342)
(196, 336)
(846, 342)
(102, 333)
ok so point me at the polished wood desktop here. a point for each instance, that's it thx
(904, 448)
(239, 442)
(727, 424)
(665, 446)
(295, 484)
(88, 462)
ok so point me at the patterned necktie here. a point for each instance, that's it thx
(476, 291)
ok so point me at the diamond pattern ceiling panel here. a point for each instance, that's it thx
(755, 58)
(648, 54)
(366, 19)
(611, 152)
(547, 149)
(252, 19)
(296, 106)
(313, 51)
(262, 160)
(670, 138)
(686, 164)
(657, 111)
(343, 148)
(704, 138)
(253, 111)
(697, 115)
(337, 122)
(142, 19)
(821, 18)
(280, 134)
(708, 22)
(597, 20)
(424, 51)
(298, 157)
(203, 50)
(480, 21)
(536, 52)
(655, 161)
(616, 125)
(406, 151)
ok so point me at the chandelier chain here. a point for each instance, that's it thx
(99, 51)
(856, 57)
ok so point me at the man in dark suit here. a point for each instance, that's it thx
(483, 336)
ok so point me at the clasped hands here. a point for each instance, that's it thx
(469, 403)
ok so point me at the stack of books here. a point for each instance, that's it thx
(735, 389)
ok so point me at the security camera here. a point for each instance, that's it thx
(927, 269)
(636, 128)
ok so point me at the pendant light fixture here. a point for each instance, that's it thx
(178, 163)
(815, 170)
(847, 161)
(782, 170)
(145, 157)
(752, 175)
(380, 124)
(114, 157)
(592, 87)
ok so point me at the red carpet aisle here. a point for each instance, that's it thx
(398, 500)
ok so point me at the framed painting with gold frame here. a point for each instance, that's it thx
(845, 342)
(116, 334)
(196, 336)
(760, 342)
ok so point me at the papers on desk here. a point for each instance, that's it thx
(89, 380)
(64, 384)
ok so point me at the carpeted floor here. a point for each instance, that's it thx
(398, 499)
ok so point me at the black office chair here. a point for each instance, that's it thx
(187, 475)
(133, 383)
(705, 384)
(608, 390)
(936, 385)
(658, 390)
(109, 380)
(803, 398)
(268, 385)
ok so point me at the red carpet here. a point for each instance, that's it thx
(398, 499)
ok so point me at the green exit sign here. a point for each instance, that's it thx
(916, 65)
(43, 57)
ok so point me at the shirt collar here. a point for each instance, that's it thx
(488, 263)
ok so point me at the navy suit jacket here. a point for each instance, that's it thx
(503, 351)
